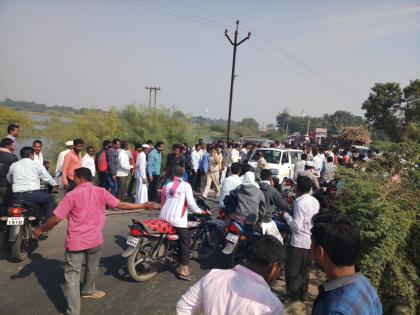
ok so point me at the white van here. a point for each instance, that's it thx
(281, 161)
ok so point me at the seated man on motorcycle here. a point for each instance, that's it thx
(25, 176)
(249, 199)
(273, 201)
(177, 197)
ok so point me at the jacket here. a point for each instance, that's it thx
(273, 201)
(249, 200)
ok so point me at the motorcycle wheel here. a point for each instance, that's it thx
(235, 258)
(141, 270)
(207, 249)
(23, 245)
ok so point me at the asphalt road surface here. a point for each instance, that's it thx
(36, 285)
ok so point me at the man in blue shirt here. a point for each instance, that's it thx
(204, 167)
(153, 169)
(335, 247)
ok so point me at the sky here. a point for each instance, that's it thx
(314, 56)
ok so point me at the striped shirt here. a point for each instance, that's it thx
(350, 295)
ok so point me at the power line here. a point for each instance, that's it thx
(171, 14)
(317, 75)
(276, 47)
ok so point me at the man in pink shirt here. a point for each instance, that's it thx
(72, 161)
(84, 208)
(241, 290)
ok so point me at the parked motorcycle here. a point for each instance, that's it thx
(22, 221)
(239, 233)
(153, 244)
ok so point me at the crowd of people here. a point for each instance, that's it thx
(332, 241)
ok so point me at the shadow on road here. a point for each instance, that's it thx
(50, 275)
(116, 266)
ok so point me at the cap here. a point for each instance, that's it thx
(68, 143)
(146, 146)
(309, 163)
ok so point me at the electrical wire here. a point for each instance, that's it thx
(316, 75)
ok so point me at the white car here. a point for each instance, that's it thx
(281, 161)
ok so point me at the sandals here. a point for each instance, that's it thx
(185, 277)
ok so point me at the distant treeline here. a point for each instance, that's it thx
(26, 106)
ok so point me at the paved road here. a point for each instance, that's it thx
(36, 285)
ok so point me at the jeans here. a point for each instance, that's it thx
(72, 271)
(153, 186)
(42, 199)
(108, 182)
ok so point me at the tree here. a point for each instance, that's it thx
(250, 123)
(411, 104)
(383, 108)
(9, 116)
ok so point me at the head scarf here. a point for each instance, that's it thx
(249, 179)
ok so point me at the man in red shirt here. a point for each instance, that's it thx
(84, 208)
(72, 161)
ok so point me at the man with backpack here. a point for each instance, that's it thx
(107, 165)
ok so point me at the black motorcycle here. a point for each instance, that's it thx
(153, 244)
(22, 221)
(239, 234)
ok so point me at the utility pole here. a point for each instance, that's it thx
(235, 45)
(155, 89)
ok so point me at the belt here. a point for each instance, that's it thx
(26, 192)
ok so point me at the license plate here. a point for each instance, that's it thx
(132, 241)
(232, 238)
(15, 221)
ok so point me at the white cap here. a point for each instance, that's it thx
(68, 143)
(146, 146)
(309, 163)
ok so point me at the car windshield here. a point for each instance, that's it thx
(271, 156)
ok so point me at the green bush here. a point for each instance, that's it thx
(388, 215)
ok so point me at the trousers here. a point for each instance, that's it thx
(184, 235)
(72, 272)
(212, 177)
(42, 199)
(298, 262)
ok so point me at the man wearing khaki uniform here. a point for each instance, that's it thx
(213, 173)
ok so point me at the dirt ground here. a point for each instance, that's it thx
(317, 277)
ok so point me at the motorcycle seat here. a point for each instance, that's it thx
(158, 227)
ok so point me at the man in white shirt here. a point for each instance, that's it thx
(141, 175)
(88, 160)
(123, 170)
(38, 157)
(230, 183)
(25, 176)
(298, 258)
(195, 160)
(234, 154)
(177, 198)
(242, 290)
(60, 160)
(319, 160)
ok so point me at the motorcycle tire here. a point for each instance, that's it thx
(205, 251)
(152, 269)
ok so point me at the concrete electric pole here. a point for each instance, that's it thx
(235, 45)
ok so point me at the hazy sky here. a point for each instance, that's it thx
(316, 56)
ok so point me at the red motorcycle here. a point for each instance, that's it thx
(152, 244)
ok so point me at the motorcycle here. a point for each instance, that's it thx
(239, 233)
(22, 221)
(326, 197)
(153, 244)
